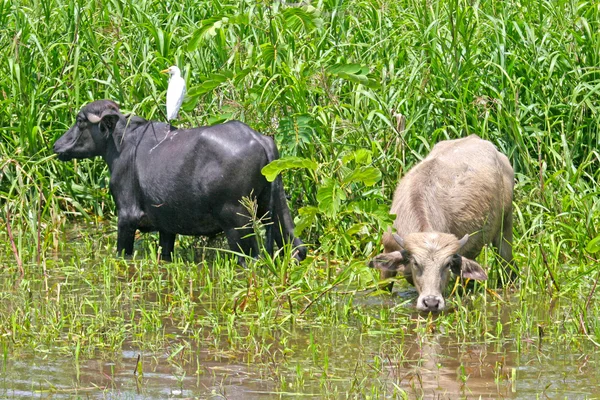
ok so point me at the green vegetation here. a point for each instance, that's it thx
(355, 93)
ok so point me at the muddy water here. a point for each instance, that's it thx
(347, 361)
(307, 360)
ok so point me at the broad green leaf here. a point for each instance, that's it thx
(268, 53)
(354, 73)
(375, 209)
(367, 175)
(360, 228)
(297, 128)
(205, 87)
(360, 156)
(593, 245)
(305, 218)
(189, 103)
(330, 196)
(344, 68)
(208, 28)
(296, 18)
(213, 81)
(240, 75)
(212, 31)
(219, 118)
(271, 170)
(363, 156)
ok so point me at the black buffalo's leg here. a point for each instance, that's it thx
(167, 243)
(238, 229)
(125, 237)
(243, 241)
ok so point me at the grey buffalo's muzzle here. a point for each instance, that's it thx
(431, 303)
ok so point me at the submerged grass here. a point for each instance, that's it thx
(363, 90)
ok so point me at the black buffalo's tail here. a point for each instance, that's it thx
(281, 228)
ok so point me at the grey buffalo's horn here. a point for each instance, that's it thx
(463, 241)
(398, 239)
(93, 118)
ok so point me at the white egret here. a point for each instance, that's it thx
(175, 92)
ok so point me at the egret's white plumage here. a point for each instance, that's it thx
(175, 92)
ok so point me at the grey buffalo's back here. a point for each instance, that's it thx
(472, 189)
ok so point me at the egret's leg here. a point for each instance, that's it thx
(175, 132)
(163, 139)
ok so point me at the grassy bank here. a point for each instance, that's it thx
(362, 89)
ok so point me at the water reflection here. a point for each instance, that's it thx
(309, 360)
(322, 362)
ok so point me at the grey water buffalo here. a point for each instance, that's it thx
(182, 181)
(447, 207)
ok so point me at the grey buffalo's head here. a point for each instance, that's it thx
(427, 258)
(90, 135)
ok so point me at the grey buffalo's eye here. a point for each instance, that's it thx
(455, 263)
(417, 267)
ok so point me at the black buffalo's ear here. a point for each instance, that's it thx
(394, 261)
(108, 124)
(109, 119)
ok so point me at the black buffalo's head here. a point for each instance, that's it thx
(90, 135)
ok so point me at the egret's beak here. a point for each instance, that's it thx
(165, 71)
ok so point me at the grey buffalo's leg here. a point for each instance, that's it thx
(503, 242)
(125, 237)
(167, 244)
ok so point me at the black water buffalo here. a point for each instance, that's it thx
(183, 181)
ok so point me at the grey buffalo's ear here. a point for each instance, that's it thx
(394, 261)
(472, 270)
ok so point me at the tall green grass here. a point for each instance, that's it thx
(358, 90)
